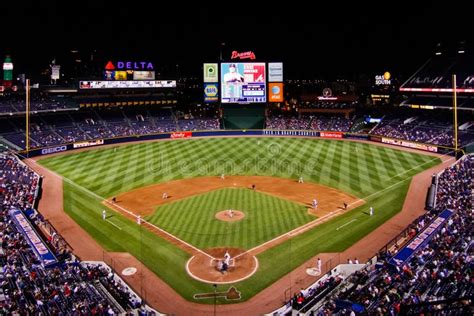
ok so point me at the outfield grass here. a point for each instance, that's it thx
(358, 168)
(266, 217)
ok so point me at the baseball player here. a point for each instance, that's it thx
(139, 220)
(104, 214)
(227, 258)
(345, 205)
(300, 180)
(165, 196)
(371, 211)
(315, 204)
(222, 177)
(319, 264)
(230, 213)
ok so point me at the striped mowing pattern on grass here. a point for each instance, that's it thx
(358, 168)
(193, 219)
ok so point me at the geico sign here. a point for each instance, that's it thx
(53, 150)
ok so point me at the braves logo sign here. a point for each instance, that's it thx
(243, 55)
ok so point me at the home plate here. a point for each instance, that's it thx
(129, 271)
(313, 271)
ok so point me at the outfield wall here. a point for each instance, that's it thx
(223, 133)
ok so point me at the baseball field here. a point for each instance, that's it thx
(275, 228)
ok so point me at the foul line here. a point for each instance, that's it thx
(353, 220)
(113, 224)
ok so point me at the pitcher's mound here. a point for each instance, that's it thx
(230, 215)
(205, 268)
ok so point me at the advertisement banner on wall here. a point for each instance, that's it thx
(211, 92)
(331, 134)
(421, 240)
(89, 143)
(408, 144)
(275, 72)
(211, 73)
(39, 247)
(176, 135)
(275, 92)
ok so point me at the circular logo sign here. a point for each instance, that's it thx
(327, 92)
(210, 90)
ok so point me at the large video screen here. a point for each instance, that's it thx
(243, 83)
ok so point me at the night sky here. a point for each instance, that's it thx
(333, 40)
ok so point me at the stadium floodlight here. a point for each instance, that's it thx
(461, 51)
(438, 53)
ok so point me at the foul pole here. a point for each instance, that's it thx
(27, 114)
(455, 108)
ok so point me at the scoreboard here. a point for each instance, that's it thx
(243, 83)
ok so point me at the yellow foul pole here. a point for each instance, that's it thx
(455, 106)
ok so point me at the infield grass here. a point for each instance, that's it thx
(266, 217)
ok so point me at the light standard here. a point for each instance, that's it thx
(220, 51)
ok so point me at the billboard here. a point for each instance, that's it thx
(120, 75)
(211, 73)
(408, 144)
(383, 79)
(243, 83)
(143, 75)
(55, 72)
(127, 84)
(275, 72)
(275, 92)
(185, 134)
(211, 92)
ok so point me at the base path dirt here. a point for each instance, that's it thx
(161, 296)
(144, 200)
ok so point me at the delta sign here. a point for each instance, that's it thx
(129, 65)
